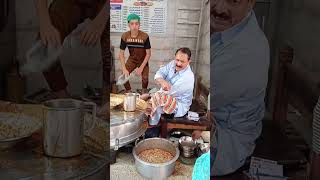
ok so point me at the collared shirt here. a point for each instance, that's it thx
(182, 84)
(239, 65)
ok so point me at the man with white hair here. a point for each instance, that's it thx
(239, 75)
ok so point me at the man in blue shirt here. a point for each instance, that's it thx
(239, 75)
(177, 80)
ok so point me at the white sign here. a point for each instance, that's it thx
(153, 15)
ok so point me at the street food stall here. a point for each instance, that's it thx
(166, 150)
(171, 156)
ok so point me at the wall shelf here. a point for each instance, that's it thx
(189, 9)
(189, 22)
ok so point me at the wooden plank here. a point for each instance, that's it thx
(183, 120)
(197, 87)
(189, 9)
(300, 82)
(187, 36)
(315, 166)
(281, 97)
(185, 126)
(296, 87)
(189, 22)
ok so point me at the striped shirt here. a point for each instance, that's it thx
(137, 45)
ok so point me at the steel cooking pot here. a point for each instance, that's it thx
(152, 171)
(125, 127)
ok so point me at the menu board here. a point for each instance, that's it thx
(153, 15)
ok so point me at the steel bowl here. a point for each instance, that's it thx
(204, 148)
(153, 171)
(187, 145)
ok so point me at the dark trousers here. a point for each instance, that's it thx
(65, 16)
(131, 65)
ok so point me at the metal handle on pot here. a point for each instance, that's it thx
(92, 107)
(137, 140)
(116, 147)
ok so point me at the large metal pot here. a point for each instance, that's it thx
(63, 125)
(155, 171)
(125, 127)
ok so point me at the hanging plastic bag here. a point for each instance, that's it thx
(122, 79)
(39, 58)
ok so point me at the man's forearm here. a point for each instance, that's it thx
(122, 60)
(159, 81)
(103, 14)
(42, 10)
(146, 58)
(145, 61)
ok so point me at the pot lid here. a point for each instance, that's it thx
(118, 117)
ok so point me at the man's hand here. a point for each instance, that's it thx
(50, 36)
(148, 110)
(196, 134)
(145, 97)
(165, 85)
(139, 71)
(103, 110)
(93, 31)
(125, 72)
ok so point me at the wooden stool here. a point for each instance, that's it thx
(168, 123)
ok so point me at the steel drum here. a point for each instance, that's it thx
(125, 127)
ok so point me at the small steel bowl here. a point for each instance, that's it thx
(187, 141)
(204, 147)
(187, 145)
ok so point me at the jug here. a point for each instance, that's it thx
(130, 101)
(63, 126)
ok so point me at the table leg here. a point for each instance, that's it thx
(164, 129)
(315, 166)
